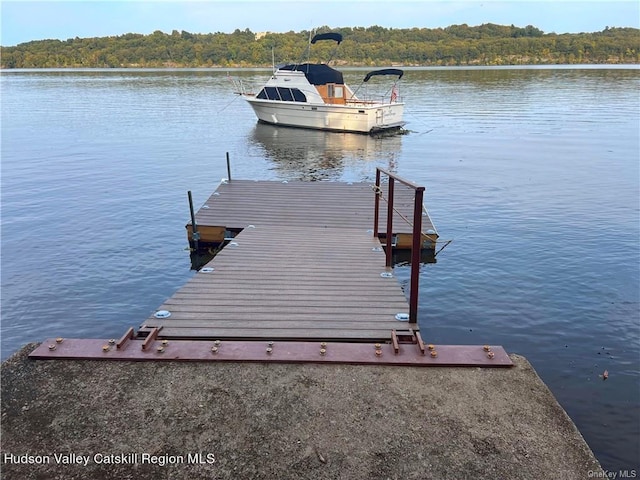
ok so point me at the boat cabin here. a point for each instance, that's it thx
(328, 82)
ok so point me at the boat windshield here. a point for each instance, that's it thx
(282, 94)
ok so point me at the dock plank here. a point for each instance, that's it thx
(239, 203)
(322, 283)
(284, 334)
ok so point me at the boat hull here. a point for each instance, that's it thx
(358, 118)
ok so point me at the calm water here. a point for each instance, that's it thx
(534, 174)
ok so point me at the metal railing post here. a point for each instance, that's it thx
(416, 243)
(376, 205)
(416, 249)
(390, 220)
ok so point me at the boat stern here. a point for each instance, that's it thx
(386, 117)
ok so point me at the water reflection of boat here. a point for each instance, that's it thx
(314, 95)
(318, 155)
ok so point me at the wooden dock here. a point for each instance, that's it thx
(312, 283)
(302, 277)
(301, 262)
(346, 206)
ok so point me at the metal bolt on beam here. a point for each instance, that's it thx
(59, 340)
(160, 349)
(52, 347)
(431, 346)
(269, 350)
(214, 349)
(487, 348)
(323, 351)
(378, 352)
(434, 353)
(112, 341)
(106, 348)
(491, 355)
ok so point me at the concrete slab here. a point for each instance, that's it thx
(147, 420)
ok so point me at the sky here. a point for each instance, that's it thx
(26, 20)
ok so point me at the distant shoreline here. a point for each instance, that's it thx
(456, 45)
(564, 66)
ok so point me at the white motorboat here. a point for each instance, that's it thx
(314, 95)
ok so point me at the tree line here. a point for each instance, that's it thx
(487, 44)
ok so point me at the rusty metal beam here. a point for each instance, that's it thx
(153, 334)
(416, 249)
(125, 338)
(408, 183)
(420, 343)
(278, 352)
(394, 342)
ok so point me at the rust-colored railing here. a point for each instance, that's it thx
(416, 244)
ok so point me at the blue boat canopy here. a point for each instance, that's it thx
(317, 73)
(384, 71)
(327, 36)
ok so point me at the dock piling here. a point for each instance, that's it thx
(195, 235)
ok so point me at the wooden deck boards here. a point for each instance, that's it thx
(289, 282)
(239, 203)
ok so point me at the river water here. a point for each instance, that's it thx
(532, 172)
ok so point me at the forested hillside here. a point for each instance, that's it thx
(487, 44)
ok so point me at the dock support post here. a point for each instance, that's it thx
(228, 168)
(195, 236)
(416, 248)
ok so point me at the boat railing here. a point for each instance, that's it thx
(239, 87)
(351, 101)
(377, 100)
